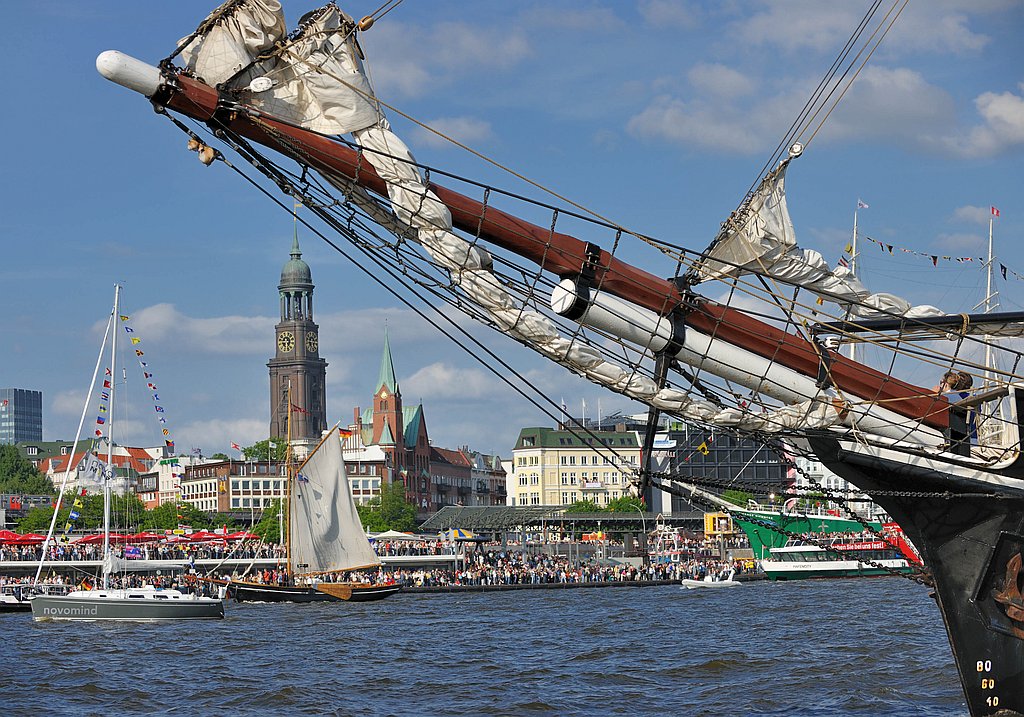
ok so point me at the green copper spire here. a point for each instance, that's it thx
(387, 369)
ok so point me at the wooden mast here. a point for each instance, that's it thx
(565, 255)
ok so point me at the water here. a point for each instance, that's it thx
(828, 647)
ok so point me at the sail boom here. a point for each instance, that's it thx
(558, 253)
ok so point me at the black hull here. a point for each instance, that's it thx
(972, 546)
(251, 592)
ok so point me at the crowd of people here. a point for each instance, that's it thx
(474, 564)
(182, 552)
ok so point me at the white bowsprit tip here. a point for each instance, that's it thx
(128, 72)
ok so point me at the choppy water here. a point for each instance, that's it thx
(835, 647)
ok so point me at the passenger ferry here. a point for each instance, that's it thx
(845, 557)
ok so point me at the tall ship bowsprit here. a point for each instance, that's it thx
(274, 106)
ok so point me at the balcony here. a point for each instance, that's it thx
(592, 485)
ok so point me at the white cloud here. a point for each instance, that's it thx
(664, 14)
(801, 25)
(716, 79)
(469, 131)
(1001, 129)
(216, 436)
(892, 105)
(413, 61)
(962, 242)
(443, 380)
(230, 335)
(972, 214)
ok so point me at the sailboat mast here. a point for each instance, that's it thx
(989, 306)
(853, 268)
(288, 483)
(109, 470)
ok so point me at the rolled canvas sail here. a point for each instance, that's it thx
(326, 534)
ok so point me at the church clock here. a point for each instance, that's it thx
(311, 342)
(286, 341)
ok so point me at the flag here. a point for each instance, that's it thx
(146, 374)
(152, 386)
(132, 551)
(272, 444)
(170, 444)
(100, 420)
(139, 352)
(995, 212)
(129, 330)
(124, 318)
(843, 262)
(106, 372)
(301, 478)
(703, 448)
(104, 396)
(344, 432)
(159, 409)
(299, 410)
(136, 340)
(155, 397)
(848, 248)
(236, 447)
(1002, 268)
(106, 383)
(861, 204)
(166, 432)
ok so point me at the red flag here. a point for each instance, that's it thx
(299, 410)
(995, 212)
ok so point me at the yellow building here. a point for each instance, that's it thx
(554, 467)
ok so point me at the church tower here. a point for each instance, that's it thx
(388, 420)
(297, 362)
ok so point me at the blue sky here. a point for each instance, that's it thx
(657, 114)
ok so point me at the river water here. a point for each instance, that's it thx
(824, 647)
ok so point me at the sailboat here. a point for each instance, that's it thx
(325, 537)
(146, 603)
(771, 369)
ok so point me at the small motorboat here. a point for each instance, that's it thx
(720, 580)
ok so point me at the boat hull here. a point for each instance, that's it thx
(841, 569)
(68, 607)
(972, 546)
(701, 584)
(253, 592)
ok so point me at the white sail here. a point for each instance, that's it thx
(324, 528)
(234, 34)
(760, 238)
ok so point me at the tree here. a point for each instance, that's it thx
(626, 504)
(737, 497)
(584, 506)
(261, 450)
(126, 514)
(19, 476)
(269, 526)
(171, 514)
(219, 457)
(388, 511)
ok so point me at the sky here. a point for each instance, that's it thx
(658, 114)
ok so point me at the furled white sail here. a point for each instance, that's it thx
(319, 82)
(760, 238)
(325, 534)
(232, 36)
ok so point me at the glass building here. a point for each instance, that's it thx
(21, 415)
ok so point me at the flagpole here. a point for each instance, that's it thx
(853, 266)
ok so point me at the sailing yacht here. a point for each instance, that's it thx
(325, 537)
(146, 603)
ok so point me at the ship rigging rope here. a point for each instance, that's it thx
(479, 347)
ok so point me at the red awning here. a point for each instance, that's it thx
(241, 535)
(26, 539)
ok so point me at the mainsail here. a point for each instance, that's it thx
(325, 534)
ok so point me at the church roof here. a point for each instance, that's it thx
(296, 274)
(387, 369)
(386, 438)
(412, 417)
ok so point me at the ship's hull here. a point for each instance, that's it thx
(796, 570)
(67, 607)
(969, 527)
(339, 592)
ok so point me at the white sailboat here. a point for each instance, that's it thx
(325, 537)
(146, 603)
